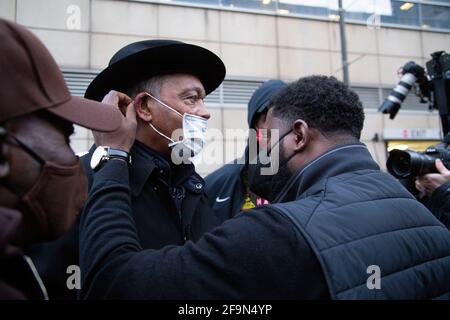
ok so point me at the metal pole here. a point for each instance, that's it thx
(343, 43)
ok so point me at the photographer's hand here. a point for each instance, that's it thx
(430, 182)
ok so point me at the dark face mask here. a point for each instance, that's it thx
(266, 177)
(52, 204)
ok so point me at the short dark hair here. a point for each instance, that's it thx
(152, 85)
(324, 103)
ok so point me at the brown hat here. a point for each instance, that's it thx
(30, 80)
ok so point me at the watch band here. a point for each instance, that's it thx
(104, 153)
(116, 153)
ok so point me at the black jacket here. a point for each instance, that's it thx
(168, 205)
(439, 204)
(270, 252)
(168, 201)
(226, 189)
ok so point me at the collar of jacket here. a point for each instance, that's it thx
(339, 160)
(146, 161)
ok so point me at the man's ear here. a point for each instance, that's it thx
(302, 135)
(142, 107)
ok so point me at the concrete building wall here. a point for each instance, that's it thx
(253, 46)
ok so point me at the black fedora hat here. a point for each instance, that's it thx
(144, 59)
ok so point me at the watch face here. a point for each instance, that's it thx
(97, 156)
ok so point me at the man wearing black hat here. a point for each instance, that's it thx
(227, 187)
(42, 182)
(167, 81)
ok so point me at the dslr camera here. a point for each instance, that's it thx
(404, 164)
(433, 87)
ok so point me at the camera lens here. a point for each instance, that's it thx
(393, 102)
(399, 164)
(404, 164)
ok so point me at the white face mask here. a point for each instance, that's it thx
(194, 135)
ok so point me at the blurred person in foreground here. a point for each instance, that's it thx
(42, 182)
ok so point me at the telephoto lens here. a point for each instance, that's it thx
(411, 73)
(393, 102)
(404, 164)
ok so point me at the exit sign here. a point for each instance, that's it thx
(411, 134)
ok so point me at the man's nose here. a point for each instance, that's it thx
(202, 111)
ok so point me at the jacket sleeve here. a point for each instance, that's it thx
(248, 256)
(439, 204)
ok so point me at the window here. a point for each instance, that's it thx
(197, 2)
(432, 14)
(250, 4)
(403, 13)
(305, 7)
(436, 17)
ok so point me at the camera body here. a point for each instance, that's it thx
(440, 63)
(405, 164)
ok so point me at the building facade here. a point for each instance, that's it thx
(257, 40)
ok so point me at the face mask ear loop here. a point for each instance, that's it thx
(279, 140)
(170, 108)
(160, 133)
(165, 105)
